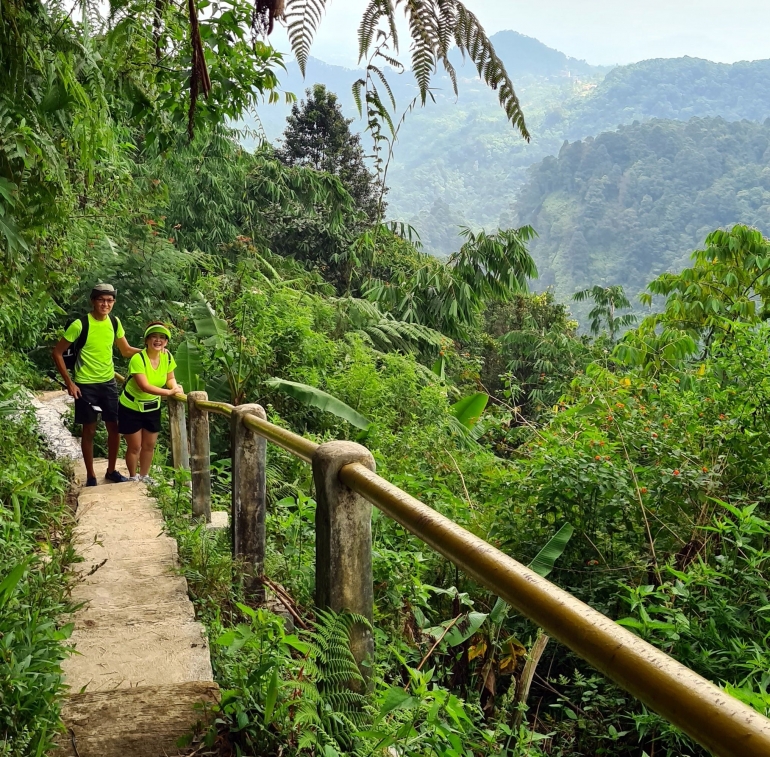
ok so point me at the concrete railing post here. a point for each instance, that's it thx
(180, 451)
(344, 544)
(200, 457)
(248, 510)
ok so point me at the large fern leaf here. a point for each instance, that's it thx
(434, 27)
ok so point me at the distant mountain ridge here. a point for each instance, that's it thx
(522, 55)
(683, 88)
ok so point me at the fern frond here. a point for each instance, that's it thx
(367, 30)
(472, 39)
(302, 20)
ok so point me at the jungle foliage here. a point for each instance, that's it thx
(632, 469)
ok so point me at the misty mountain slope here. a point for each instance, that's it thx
(678, 88)
(627, 205)
(523, 56)
(458, 162)
(465, 166)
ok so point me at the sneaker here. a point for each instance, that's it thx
(148, 480)
(116, 477)
(135, 477)
(91, 481)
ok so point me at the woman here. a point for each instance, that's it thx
(150, 371)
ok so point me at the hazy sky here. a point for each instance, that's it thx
(599, 31)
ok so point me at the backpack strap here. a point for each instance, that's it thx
(80, 342)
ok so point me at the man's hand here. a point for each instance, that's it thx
(74, 391)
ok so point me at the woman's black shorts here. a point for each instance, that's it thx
(130, 421)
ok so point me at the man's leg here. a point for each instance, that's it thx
(113, 444)
(87, 446)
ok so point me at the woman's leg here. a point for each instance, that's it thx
(133, 448)
(148, 448)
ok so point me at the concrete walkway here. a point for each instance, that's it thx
(142, 669)
(142, 661)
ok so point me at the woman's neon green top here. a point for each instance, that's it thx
(140, 363)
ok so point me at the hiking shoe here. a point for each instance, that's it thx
(91, 481)
(135, 477)
(116, 477)
(147, 480)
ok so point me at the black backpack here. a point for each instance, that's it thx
(72, 353)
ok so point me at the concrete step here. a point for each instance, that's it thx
(141, 722)
(127, 549)
(133, 615)
(139, 566)
(118, 526)
(131, 591)
(143, 654)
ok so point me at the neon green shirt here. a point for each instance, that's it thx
(95, 364)
(155, 377)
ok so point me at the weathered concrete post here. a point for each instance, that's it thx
(180, 451)
(344, 544)
(248, 510)
(200, 457)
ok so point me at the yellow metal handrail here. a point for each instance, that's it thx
(713, 718)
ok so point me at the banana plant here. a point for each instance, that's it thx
(314, 397)
(228, 353)
(498, 657)
(465, 415)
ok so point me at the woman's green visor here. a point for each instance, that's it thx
(157, 329)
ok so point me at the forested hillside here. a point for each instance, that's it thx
(460, 165)
(456, 163)
(628, 205)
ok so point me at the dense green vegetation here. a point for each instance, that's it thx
(628, 205)
(34, 556)
(641, 464)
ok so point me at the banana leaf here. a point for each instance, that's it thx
(551, 552)
(188, 367)
(207, 323)
(542, 565)
(309, 395)
(469, 409)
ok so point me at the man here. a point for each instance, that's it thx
(94, 388)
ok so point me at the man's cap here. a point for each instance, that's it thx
(158, 328)
(104, 289)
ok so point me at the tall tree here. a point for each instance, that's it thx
(607, 301)
(318, 135)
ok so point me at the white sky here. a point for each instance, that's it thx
(602, 32)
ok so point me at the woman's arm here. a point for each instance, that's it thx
(145, 386)
(172, 385)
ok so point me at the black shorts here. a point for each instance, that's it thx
(130, 421)
(104, 396)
